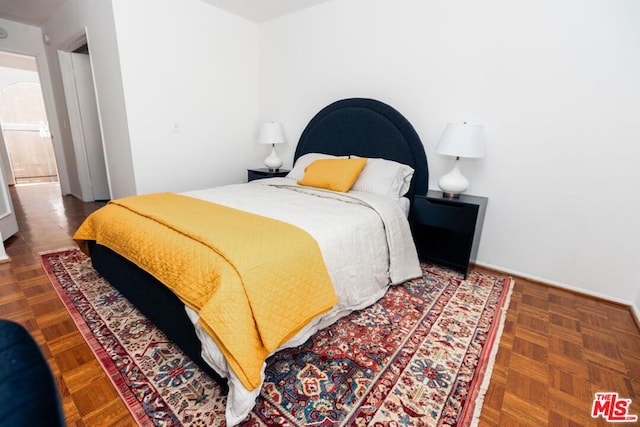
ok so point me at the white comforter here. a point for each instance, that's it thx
(365, 241)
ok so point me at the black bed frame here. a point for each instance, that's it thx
(359, 126)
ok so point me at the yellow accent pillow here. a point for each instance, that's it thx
(333, 174)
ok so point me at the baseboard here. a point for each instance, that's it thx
(75, 196)
(561, 285)
(636, 313)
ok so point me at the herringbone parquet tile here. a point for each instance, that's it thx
(558, 348)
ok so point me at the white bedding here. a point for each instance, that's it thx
(352, 231)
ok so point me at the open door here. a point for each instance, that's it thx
(8, 222)
(79, 92)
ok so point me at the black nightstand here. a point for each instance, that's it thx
(265, 173)
(447, 231)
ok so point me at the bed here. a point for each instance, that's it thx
(349, 128)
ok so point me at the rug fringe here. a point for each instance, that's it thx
(486, 380)
(61, 249)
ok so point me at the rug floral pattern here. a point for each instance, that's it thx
(415, 358)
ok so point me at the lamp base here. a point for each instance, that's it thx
(273, 162)
(453, 183)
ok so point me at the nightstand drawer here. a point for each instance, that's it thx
(446, 213)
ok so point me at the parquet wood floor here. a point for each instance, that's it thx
(558, 348)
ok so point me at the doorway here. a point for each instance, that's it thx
(27, 149)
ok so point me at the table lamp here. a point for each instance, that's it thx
(272, 133)
(459, 140)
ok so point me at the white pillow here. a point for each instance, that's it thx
(384, 177)
(305, 160)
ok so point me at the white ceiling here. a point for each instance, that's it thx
(37, 12)
(33, 12)
(263, 10)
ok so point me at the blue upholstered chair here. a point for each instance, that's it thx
(28, 392)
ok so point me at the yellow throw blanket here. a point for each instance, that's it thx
(254, 281)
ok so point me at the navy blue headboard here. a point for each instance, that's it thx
(367, 128)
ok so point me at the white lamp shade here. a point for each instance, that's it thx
(461, 140)
(272, 133)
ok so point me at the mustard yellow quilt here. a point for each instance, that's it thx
(254, 281)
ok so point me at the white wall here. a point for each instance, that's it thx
(177, 94)
(27, 40)
(554, 83)
(96, 19)
(190, 79)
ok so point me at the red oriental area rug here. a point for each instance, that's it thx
(421, 356)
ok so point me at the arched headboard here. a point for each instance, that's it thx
(367, 128)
